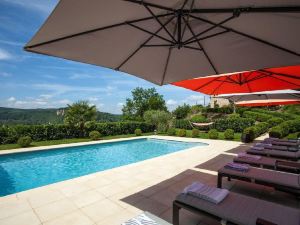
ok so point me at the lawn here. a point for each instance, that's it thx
(66, 141)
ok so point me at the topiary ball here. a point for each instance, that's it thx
(94, 135)
(24, 141)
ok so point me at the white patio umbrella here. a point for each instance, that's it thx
(262, 96)
(167, 41)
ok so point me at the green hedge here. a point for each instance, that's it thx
(55, 132)
(281, 115)
(250, 133)
(237, 124)
(262, 117)
(284, 129)
(183, 124)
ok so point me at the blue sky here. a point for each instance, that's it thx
(29, 80)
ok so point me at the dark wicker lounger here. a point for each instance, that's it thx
(270, 163)
(287, 182)
(275, 153)
(238, 209)
(282, 148)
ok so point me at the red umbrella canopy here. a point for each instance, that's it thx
(246, 82)
(268, 102)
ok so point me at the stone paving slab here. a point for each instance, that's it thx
(113, 196)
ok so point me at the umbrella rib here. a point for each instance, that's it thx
(207, 57)
(282, 74)
(249, 36)
(208, 36)
(203, 85)
(168, 58)
(160, 23)
(272, 75)
(149, 32)
(145, 42)
(199, 49)
(188, 17)
(211, 28)
(94, 30)
(218, 87)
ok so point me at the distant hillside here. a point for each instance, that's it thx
(12, 116)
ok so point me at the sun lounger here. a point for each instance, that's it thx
(269, 163)
(276, 147)
(287, 182)
(282, 142)
(238, 209)
(275, 153)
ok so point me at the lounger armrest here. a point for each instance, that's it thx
(260, 221)
(295, 165)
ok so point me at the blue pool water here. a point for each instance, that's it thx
(23, 171)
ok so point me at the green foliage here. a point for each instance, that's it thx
(234, 116)
(229, 134)
(248, 135)
(292, 109)
(224, 109)
(142, 101)
(262, 117)
(11, 116)
(138, 132)
(238, 124)
(213, 134)
(171, 131)
(160, 119)
(281, 115)
(181, 133)
(195, 133)
(182, 124)
(24, 141)
(196, 109)
(79, 113)
(198, 119)
(94, 135)
(285, 128)
(181, 112)
(274, 121)
(61, 131)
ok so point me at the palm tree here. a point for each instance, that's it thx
(79, 113)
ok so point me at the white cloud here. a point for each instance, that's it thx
(11, 99)
(4, 55)
(77, 76)
(171, 102)
(44, 7)
(12, 43)
(4, 74)
(93, 99)
(120, 104)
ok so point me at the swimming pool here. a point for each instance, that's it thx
(23, 171)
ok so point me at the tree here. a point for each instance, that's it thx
(161, 119)
(79, 113)
(181, 112)
(142, 100)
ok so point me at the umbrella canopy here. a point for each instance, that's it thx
(246, 82)
(267, 95)
(270, 102)
(167, 41)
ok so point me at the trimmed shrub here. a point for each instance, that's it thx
(182, 124)
(60, 131)
(229, 134)
(262, 117)
(181, 133)
(94, 135)
(195, 133)
(285, 128)
(171, 131)
(234, 116)
(237, 124)
(213, 134)
(138, 132)
(274, 121)
(248, 135)
(24, 141)
(198, 119)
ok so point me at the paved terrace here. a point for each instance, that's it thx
(113, 196)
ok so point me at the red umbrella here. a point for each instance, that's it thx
(246, 82)
(268, 102)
